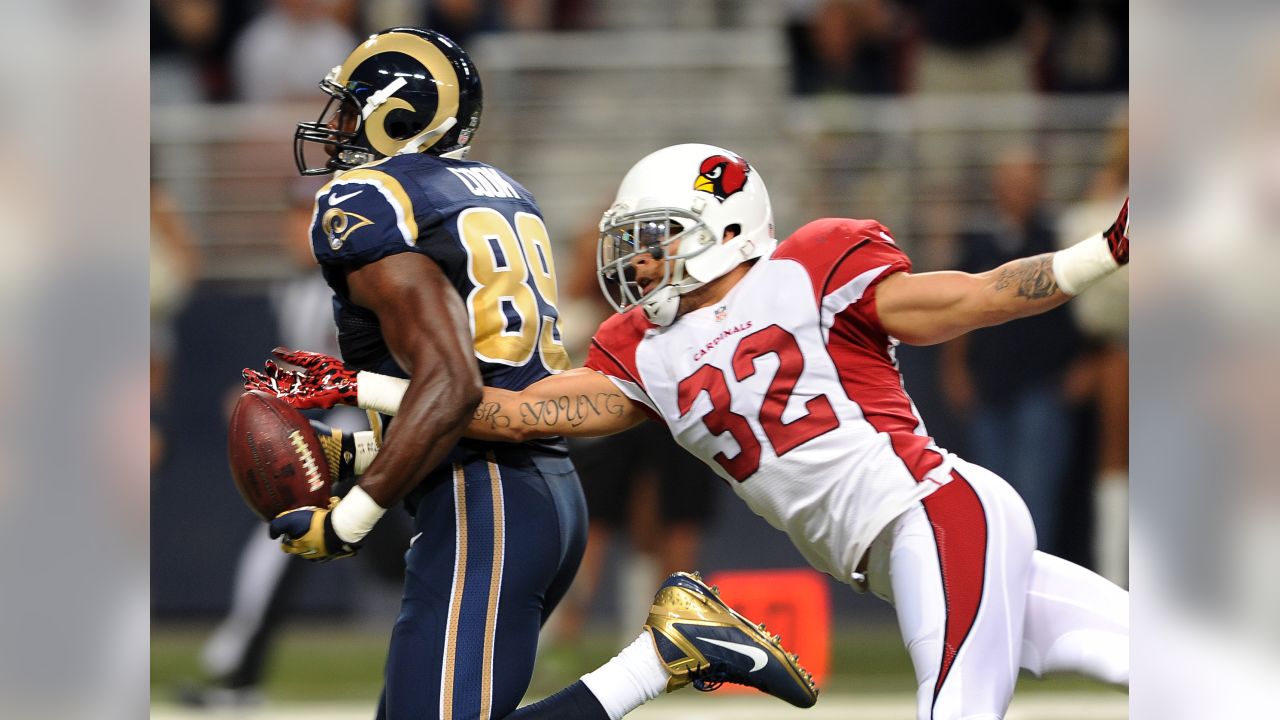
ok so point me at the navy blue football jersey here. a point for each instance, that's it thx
(479, 225)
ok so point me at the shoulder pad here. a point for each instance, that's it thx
(361, 216)
(836, 250)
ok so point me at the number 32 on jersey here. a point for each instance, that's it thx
(818, 419)
(509, 316)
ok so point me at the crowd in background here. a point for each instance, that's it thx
(253, 50)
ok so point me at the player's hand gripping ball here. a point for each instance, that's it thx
(321, 382)
(276, 459)
(308, 532)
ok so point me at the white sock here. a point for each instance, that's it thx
(632, 678)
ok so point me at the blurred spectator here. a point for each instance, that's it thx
(190, 41)
(182, 37)
(568, 15)
(1085, 46)
(971, 46)
(1103, 315)
(964, 47)
(289, 46)
(1008, 380)
(376, 15)
(460, 19)
(643, 486)
(843, 46)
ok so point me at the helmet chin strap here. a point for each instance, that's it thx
(428, 135)
(662, 306)
(459, 154)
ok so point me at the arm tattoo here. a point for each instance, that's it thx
(491, 413)
(574, 410)
(1032, 278)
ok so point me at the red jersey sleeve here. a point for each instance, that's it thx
(846, 259)
(613, 353)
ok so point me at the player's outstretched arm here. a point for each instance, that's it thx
(577, 403)
(934, 307)
(930, 308)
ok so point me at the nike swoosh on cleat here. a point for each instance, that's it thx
(757, 655)
(335, 199)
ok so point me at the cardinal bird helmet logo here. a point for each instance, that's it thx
(722, 176)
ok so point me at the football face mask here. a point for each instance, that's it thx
(337, 129)
(665, 236)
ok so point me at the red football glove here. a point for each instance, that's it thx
(322, 382)
(1117, 236)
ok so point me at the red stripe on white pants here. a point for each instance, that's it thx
(960, 531)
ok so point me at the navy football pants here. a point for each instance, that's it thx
(498, 538)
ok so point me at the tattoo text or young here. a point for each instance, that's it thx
(574, 410)
(491, 413)
(1031, 278)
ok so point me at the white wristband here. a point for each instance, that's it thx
(355, 515)
(366, 442)
(380, 393)
(1083, 264)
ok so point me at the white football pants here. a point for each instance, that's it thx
(975, 600)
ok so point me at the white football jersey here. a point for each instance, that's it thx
(789, 389)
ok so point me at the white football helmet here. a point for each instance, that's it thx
(676, 204)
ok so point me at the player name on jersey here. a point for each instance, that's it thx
(485, 182)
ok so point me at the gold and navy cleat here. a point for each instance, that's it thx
(704, 642)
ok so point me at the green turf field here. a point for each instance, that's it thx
(338, 664)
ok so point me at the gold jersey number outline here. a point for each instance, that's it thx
(525, 252)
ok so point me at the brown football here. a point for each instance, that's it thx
(276, 460)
